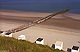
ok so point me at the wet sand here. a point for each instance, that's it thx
(58, 28)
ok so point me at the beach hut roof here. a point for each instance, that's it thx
(39, 39)
(8, 33)
(75, 47)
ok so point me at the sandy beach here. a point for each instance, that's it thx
(63, 27)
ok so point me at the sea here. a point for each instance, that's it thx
(41, 7)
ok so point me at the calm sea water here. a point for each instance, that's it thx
(41, 7)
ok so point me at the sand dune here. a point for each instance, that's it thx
(58, 28)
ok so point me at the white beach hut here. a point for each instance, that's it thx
(74, 49)
(22, 37)
(59, 45)
(40, 41)
(8, 34)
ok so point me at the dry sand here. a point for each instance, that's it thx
(59, 28)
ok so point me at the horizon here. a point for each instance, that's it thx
(41, 5)
(52, 1)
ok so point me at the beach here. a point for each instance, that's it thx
(63, 27)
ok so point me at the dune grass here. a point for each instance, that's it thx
(14, 45)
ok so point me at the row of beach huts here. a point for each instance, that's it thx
(57, 45)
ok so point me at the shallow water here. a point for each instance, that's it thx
(41, 7)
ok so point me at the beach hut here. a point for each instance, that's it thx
(8, 34)
(59, 45)
(22, 37)
(2, 33)
(39, 41)
(74, 49)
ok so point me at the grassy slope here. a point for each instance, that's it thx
(14, 45)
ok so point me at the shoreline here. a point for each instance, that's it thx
(12, 13)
